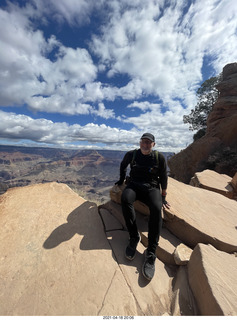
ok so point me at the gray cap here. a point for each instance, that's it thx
(148, 136)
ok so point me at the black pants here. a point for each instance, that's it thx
(152, 198)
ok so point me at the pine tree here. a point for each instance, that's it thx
(207, 95)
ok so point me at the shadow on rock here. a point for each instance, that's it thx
(84, 220)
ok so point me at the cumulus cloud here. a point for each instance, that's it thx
(21, 127)
(159, 47)
(165, 49)
(168, 127)
(61, 84)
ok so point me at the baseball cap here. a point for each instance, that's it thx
(148, 136)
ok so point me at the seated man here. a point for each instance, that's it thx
(148, 173)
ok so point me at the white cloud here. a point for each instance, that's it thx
(21, 127)
(167, 127)
(103, 112)
(145, 105)
(160, 47)
(164, 56)
(28, 76)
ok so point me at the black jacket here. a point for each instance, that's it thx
(144, 168)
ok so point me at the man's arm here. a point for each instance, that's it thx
(123, 167)
(163, 181)
(163, 173)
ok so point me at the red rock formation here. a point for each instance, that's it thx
(217, 150)
(222, 121)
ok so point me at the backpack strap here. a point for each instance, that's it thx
(157, 160)
(133, 157)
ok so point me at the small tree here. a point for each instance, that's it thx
(207, 95)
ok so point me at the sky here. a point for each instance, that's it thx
(88, 74)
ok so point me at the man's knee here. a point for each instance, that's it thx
(156, 206)
(155, 201)
(128, 196)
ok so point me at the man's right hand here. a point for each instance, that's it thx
(119, 183)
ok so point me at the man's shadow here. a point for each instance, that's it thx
(84, 220)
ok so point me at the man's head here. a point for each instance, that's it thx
(147, 142)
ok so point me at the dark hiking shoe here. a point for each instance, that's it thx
(131, 248)
(148, 269)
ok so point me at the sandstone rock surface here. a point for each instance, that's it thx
(153, 298)
(61, 255)
(213, 181)
(201, 216)
(55, 257)
(213, 279)
(183, 302)
(217, 149)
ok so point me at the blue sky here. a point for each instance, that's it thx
(97, 74)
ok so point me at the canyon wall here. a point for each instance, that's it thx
(217, 150)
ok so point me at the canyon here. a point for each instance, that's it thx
(90, 173)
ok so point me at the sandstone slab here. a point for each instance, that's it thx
(55, 257)
(201, 216)
(213, 279)
(153, 298)
(183, 301)
(213, 181)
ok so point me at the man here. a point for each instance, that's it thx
(148, 173)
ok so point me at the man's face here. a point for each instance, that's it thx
(146, 146)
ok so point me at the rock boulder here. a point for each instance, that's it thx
(213, 181)
(213, 280)
(201, 216)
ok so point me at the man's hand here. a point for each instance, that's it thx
(119, 183)
(165, 204)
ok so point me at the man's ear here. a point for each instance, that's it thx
(154, 144)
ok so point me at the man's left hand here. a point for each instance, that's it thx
(165, 204)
